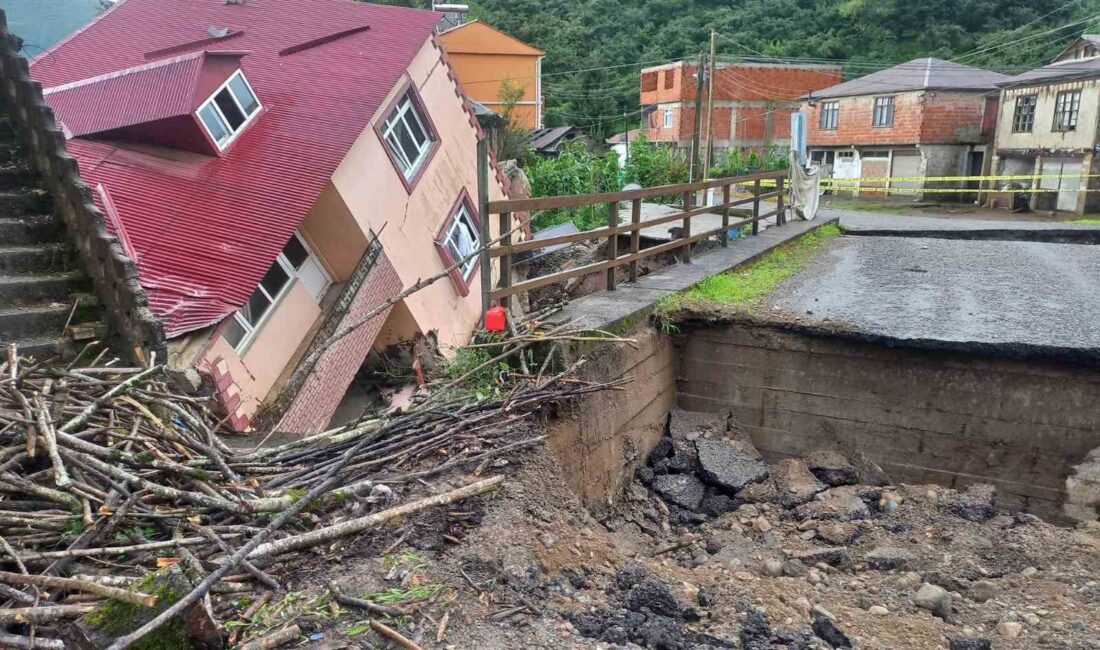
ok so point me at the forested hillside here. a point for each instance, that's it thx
(597, 35)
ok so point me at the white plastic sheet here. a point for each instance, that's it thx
(805, 189)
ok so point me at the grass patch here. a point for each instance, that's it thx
(746, 286)
(1092, 221)
(398, 596)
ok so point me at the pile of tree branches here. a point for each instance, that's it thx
(110, 476)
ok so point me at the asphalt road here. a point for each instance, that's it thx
(995, 292)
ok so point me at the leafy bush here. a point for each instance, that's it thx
(575, 171)
(651, 165)
(742, 161)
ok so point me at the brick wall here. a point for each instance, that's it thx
(312, 407)
(919, 117)
(758, 82)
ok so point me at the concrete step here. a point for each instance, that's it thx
(16, 231)
(35, 258)
(18, 203)
(23, 289)
(39, 349)
(16, 177)
(35, 321)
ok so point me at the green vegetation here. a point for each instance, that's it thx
(745, 287)
(740, 162)
(398, 596)
(574, 171)
(866, 35)
(1088, 220)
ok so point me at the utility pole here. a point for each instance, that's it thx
(700, 78)
(708, 157)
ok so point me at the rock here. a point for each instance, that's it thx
(1029, 571)
(683, 490)
(690, 425)
(832, 468)
(548, 540)
(837, 556)
(761, 524)
(684, 459)
(869, 471)
(935, 599)
(976, 504)
(762, 492)
(878, 610)
(1030, 619)
(886, 558)
(907, 581)
(663, 449)
(654, 596)
(981, 591)
(815, 577)
(705, 598)
(716, 505)
(724, 466)
(1009, 629)
(1002, 521)
(794, 482)
(818, 610)
(794, 569)
(968, 643)
(839, 534)
(772, 568)
(838, 504)
(629, 575)
(826, 630)
(756, 634)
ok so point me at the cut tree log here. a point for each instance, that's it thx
(123, 595)
(280, 638)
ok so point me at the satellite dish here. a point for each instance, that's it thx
(217, 32)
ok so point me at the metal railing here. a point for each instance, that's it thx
(506, 251)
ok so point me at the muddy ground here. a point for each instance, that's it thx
(804, 566)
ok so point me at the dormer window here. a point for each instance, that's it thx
(232, 106)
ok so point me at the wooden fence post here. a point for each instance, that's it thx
(725, 216)
(756, 207)
(612, 242)
(780, 217)
(483, 213)
(635, 236)
(506, 260)
(686, 230)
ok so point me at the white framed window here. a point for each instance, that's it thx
(406, 134)
(668, 118)
(883, 112)
(462, 238)
(295, 261)
(232, 106)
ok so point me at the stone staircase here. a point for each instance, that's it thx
(41, 282)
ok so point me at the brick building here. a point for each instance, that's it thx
(923, 118)
(753, 102)
(1047, 126)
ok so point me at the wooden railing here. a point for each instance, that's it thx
(505, 250)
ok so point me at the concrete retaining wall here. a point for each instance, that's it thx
(600, 438)
(925, 416)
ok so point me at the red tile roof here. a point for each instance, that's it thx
(207, 227)
(138, 95)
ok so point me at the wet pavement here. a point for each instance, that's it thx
(994, 292)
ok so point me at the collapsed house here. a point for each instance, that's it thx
(275, 171)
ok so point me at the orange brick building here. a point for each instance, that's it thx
(922, 118)
(753, 102)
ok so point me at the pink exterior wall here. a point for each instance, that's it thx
(372, 189)
(252, 374)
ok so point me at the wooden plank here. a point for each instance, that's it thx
(556, 202)
(600, 233)
(483, 216)
(635, 235)
(685, 233)
(612, 241)
(505, 260)
(782, 218)
(725, 216)
(756, 208)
